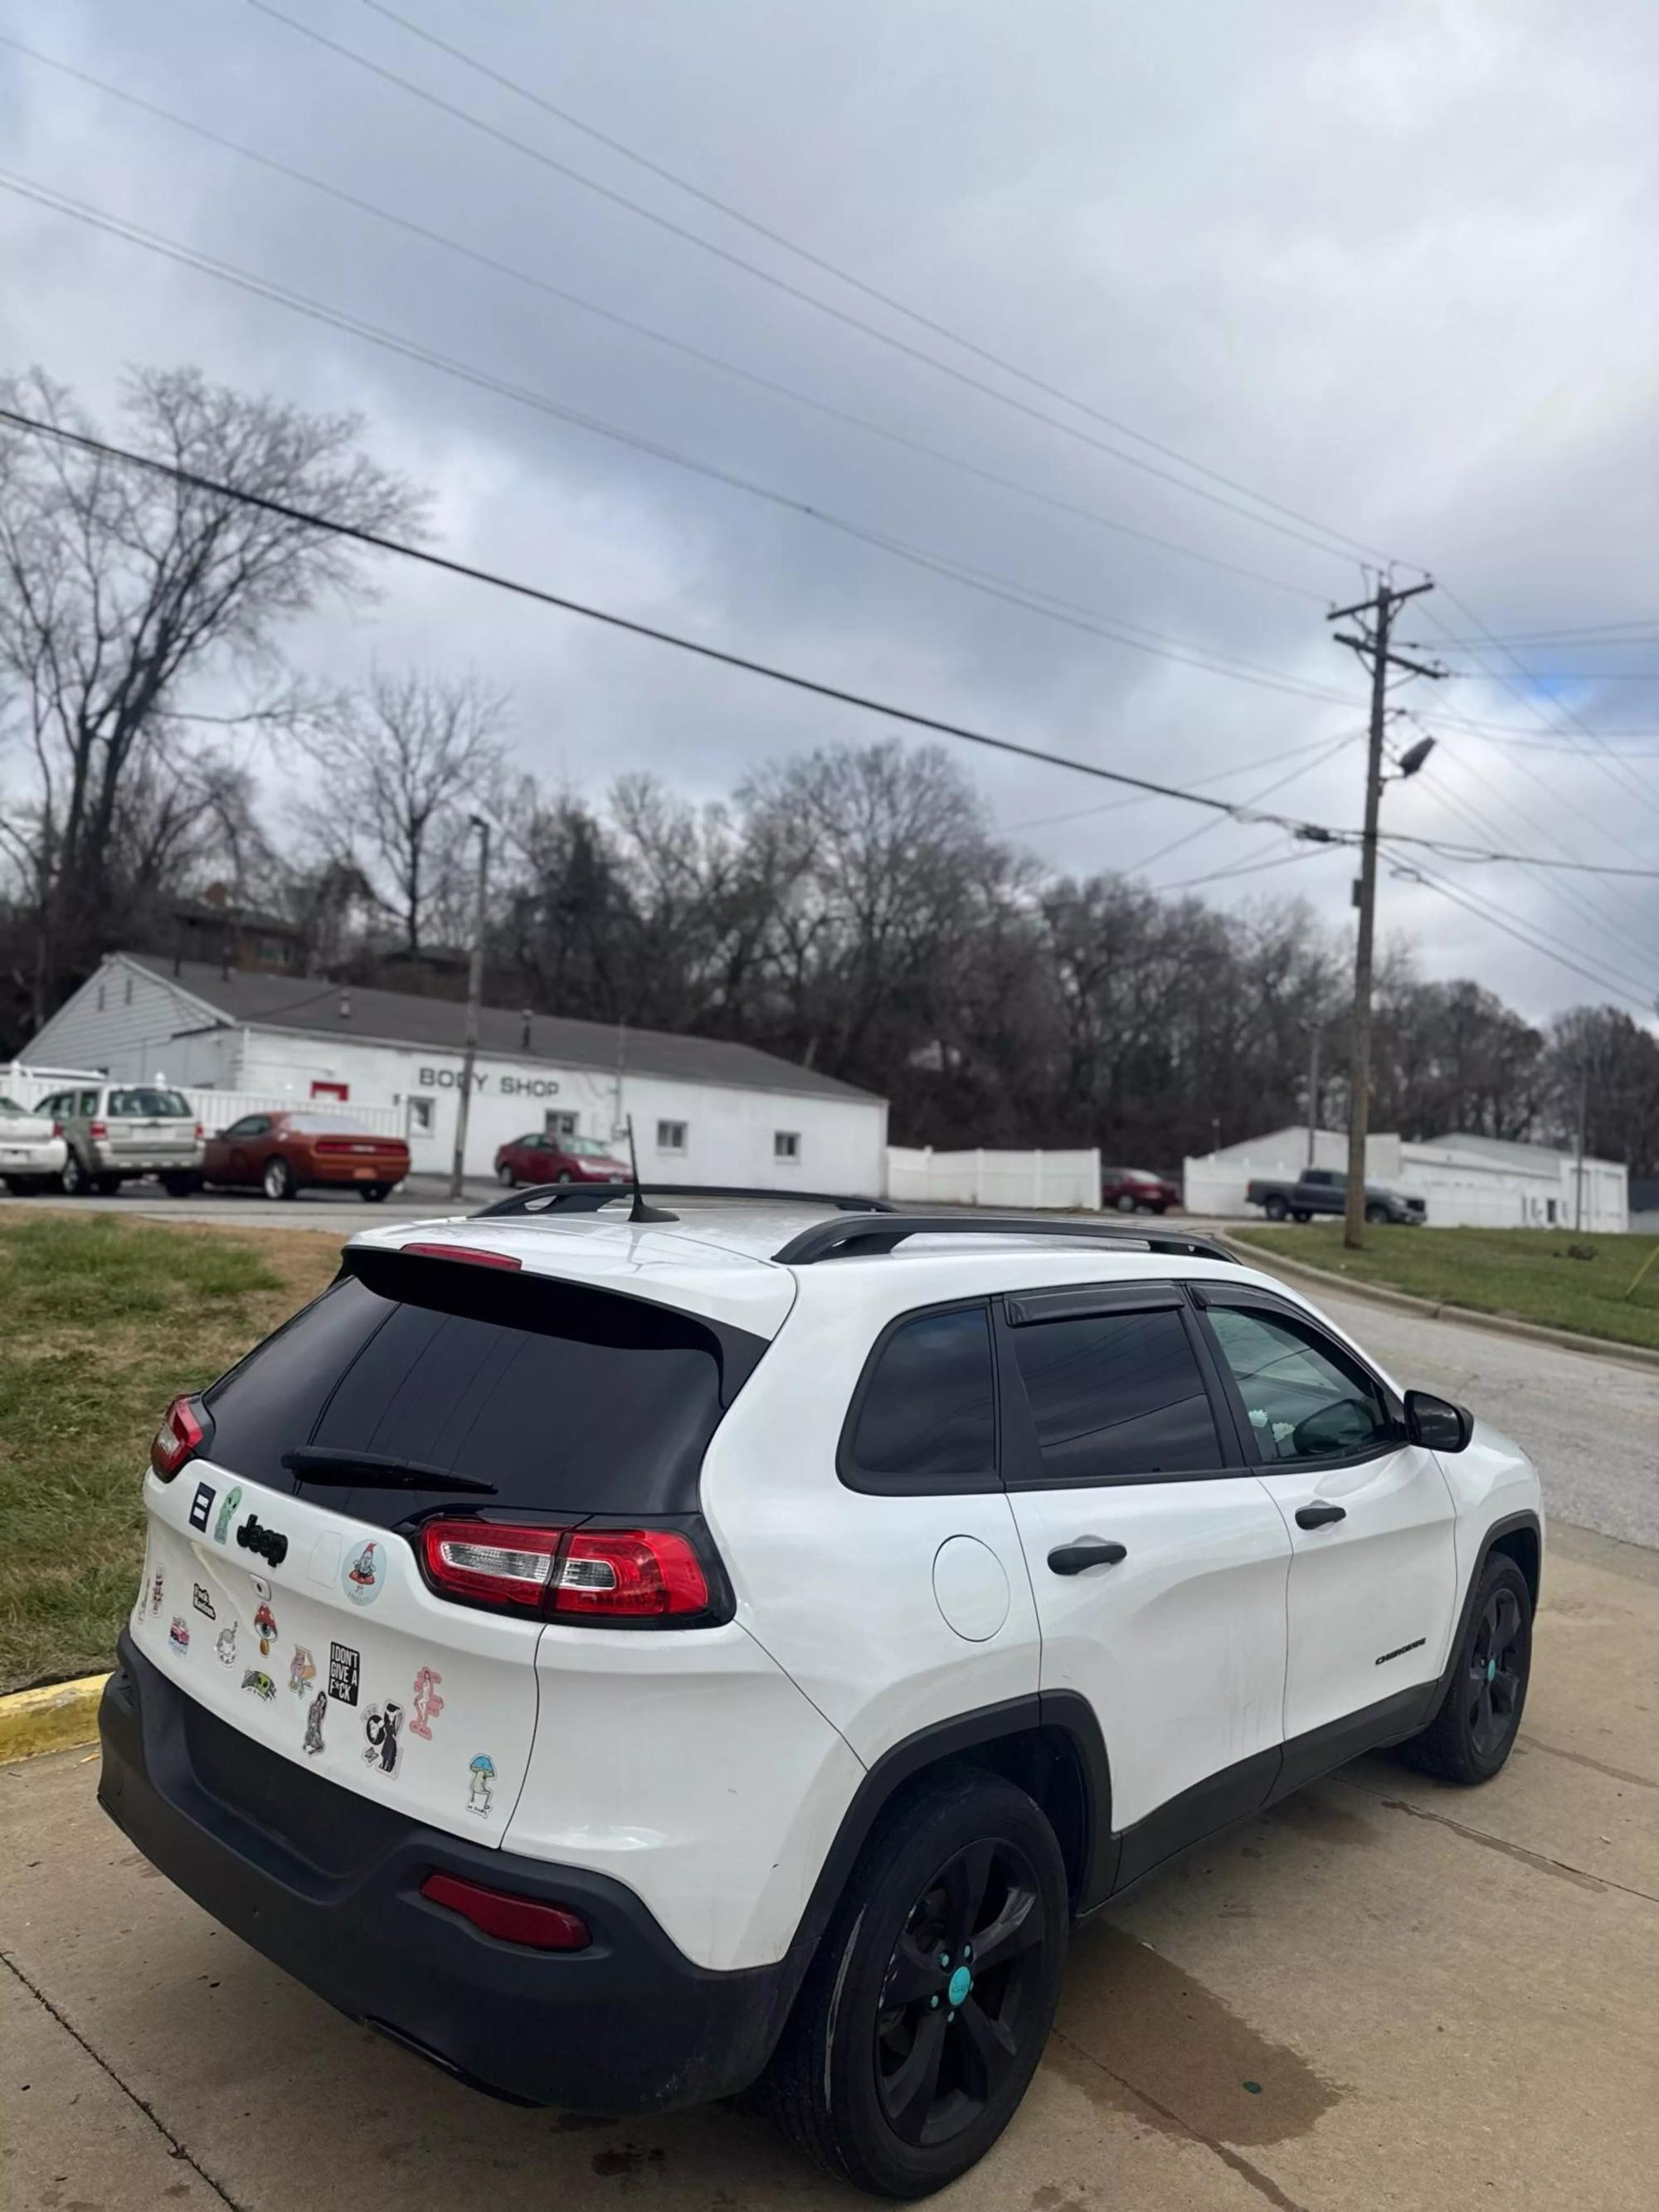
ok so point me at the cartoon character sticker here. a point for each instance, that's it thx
(380, 1726)
(364, 1574)
(302, 1671)
(260, 1683)
(482, 1774)
(155, 1589)
(227, 1505)
(178, 1634)
(226, 1646)
(427, 1704)
(265, 1628)
(313, 1736)
(201, 1600)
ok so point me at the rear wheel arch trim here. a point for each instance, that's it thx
(1046, 1722)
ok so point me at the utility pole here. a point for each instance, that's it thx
(474, 999)
(1313, 1093)
(1578, 1170)
(1372, 648)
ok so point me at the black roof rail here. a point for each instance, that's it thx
(838, 1240)
(589, 1197)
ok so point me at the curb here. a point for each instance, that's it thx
(57, 1718)
(1601, 1348)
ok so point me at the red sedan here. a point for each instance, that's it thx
(1132, 1190)
(539, 1157)
(283, 1153)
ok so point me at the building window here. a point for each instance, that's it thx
(1549, 1212)
(420, 1117)
(785, 1145)
(559, 1125)
(339, 1090)
(101, 998)
(127, 1001)
(671, 1136)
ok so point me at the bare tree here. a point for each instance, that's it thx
(118, 584)
(401, 767)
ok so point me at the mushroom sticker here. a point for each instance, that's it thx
(481, 1773)
(265, 1628)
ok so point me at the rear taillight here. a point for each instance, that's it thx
(513, 1919)
(201, 1133)
(487, 1563)
(98, 1131)
(629, 1573)
(582, 1574)
(181, 1433)
(57, 1128)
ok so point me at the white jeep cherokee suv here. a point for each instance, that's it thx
(627, 1659)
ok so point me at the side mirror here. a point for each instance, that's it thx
(1437, 1423)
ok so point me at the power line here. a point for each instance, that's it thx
(1252, 868)
(845, 276)
(1146, 860)
(648, 331)
(1116, 806)
(1322, 833)
(1482, 914)
(1644, 625)
(1341, 551)
(983, 581)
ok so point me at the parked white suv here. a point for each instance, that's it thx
(627, 1659)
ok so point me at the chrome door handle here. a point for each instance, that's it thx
(1083, 1552)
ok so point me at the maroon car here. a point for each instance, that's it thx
(286, 1153)
(540, 1158)
(1135, 1190)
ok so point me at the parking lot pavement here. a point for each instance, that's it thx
(1385, 1994)
(419, 1199)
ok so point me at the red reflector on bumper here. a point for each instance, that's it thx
(513, 1919)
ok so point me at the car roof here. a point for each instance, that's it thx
(719, 1259)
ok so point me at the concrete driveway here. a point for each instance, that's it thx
(1386, 1994)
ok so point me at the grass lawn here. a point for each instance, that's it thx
(1531, 1274)
(102, 1321)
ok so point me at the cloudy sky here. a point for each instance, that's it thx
(1392, 272)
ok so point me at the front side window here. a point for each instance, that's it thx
(1116, 1397)
(1303, 1397)
(926, 1418)
(88, 1102)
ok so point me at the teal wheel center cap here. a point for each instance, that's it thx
(958, 1987)
(1492, 1668)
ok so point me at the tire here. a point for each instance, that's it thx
(1275, 1208)
(1124, 1203)
(1160, 1207)
(966, 1851)
(373, 1193)
(1375, 1214)
(1473, 1733)
(1298, 1215)
(278, 1181)
(75, 1182)
(564, 1175)
(505, 1176)
(181, 1186)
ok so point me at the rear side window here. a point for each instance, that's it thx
(561, 1398)
(1116, 1397)
(925, 1419)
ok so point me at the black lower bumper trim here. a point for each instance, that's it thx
(628, 2025)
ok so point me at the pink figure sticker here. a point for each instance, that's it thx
(427, 1704)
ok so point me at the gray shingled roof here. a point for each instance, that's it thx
(297, 1002)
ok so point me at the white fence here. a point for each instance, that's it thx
(991, 1179)
(214, 1109)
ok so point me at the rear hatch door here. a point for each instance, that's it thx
(150, 1128)
(282, 1586)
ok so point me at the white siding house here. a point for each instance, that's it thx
(704, 1111)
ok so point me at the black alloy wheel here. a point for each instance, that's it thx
(959, 1989)
(1495, 1681)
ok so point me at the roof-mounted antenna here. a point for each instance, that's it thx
(640, 1210)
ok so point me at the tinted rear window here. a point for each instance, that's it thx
(1116, 1396)
(151, 1105)
(562, 1398)
(926, 1418)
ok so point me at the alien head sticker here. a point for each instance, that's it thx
(427, 1704)
(227, 1505)
(481, 1778)
(364, 1573)
(225, 1644)
(178, 1634)
(265, 1628)
(381, 1725)
(259, 1682)
(315, 1714)
(302, 1671)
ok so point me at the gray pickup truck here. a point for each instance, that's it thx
(1324, 1190)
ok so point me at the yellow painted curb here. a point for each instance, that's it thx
(53, 1719)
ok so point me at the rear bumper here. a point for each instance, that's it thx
(628, 2025)
(147, 1159)
(45, 1158)
(349, 1172)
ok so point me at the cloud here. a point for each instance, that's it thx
(1395, 274)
